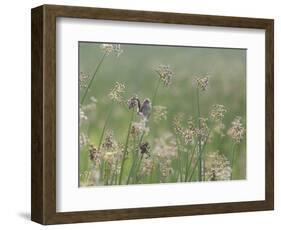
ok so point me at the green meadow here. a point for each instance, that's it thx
(190, 140)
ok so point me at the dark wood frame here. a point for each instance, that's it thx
(43, 188)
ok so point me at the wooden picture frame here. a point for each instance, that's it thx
(43, 207)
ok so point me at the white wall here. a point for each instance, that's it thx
(15, 113)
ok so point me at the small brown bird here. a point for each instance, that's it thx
(143, 109)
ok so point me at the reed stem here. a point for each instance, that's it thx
(156, 91)
(199, 138)
(125, 148)
(137, 169)
(179, 159)
(92, 79)
(232, 159)
(188, 164)
(102, 135)
(105, 125)
(134, 161)
(200, 155)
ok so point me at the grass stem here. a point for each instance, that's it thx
(105, 125)
(199, 138)
(92, 79)
(101, 137)
(179, 158)
(232, 159)
(156, 91)
(134, 161)
(137, 169)
(188, 163)
(125, 148)
(200, 156)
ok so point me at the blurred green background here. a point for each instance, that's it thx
(135, 67)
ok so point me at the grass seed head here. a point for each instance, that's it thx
(166, 74)
(83, 79)
(111, 48)
(237, 131)
(203, 131)
(219, 128)
(217, 167)
(202, 83)
(83, 116)
(164, 152)
(83, 139)
(109, 142)
(159, 113)
(147, 166)
(133, 102)
(177, 123)
(217, 112)
(138, 128)
(94, 154)
(116, 93)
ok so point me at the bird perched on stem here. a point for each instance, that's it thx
(143, 109)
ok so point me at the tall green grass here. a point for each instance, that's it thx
(135, 67)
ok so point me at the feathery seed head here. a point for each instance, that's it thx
(138, 128)
(133, 102)
(111, 48)
(116, 94)
(217, 167)
(94, 154)
(109, 142)
(83, 79)
(217, 112)
(83, 116)
(202, 83)
(237, 131)
(203, 131)
(84, 140)
(159, 113)
(177, 123)
(166, 74)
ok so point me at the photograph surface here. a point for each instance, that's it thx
(153, 114)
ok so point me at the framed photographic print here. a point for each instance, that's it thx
(140, 114)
